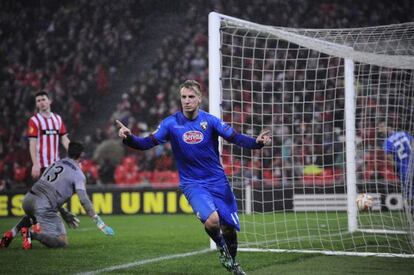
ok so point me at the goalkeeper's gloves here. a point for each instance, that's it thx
(102, 226)
(69, 218)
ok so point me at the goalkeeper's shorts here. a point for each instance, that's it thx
(49, 219)
(206, 199)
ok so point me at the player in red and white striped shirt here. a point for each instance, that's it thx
(45, 130)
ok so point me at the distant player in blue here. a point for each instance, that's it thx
(398, 145)
(193, 134)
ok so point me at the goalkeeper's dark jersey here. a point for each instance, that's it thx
(195, 146)
(60, 181)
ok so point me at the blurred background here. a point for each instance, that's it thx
(106, 60)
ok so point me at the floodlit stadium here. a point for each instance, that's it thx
(332, 82)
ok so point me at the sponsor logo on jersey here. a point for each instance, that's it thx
(193, 137)
(50, 132)
(204, 125)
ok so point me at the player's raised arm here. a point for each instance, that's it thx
(134, 141)
(124, 131)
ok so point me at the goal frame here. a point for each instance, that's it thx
(215, 95)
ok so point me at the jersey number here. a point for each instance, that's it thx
(57, 169)
(400, 148)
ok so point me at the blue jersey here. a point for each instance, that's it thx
(399, 145)
(195, 146)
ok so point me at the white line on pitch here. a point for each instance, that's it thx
(143, 262)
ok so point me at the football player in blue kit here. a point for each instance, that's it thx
(398, 145)
(193, 134)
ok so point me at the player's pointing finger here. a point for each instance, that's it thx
(119, 123)
(265, 132)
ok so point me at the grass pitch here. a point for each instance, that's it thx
(169, 244)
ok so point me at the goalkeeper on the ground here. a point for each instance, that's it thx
(45, 199)
(193, 134)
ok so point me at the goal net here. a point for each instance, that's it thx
(328, 97)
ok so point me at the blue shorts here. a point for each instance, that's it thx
(206, 199)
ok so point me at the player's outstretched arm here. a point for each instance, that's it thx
(123, 131)
(264, 137)
(246, 141)
(134, 141)
(87, 205)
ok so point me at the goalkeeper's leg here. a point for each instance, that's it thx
(25, 222)
(9, 235)
(50, 241)
(53, 230)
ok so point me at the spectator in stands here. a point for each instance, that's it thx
(90, 169)
(106, 171)
(65, 52)
(126, 173)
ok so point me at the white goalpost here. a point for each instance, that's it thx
(324, 94)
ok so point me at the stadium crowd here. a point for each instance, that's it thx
(76, 49)
(70, 49)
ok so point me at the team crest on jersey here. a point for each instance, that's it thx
(193, 137)
(204, 125)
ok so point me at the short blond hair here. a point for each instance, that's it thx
(193, 85)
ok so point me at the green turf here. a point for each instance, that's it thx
(144, 237)
(324, 230)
